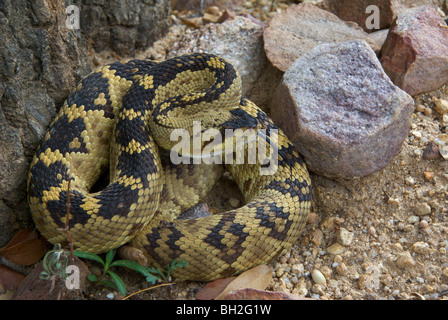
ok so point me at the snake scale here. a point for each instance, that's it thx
(117, 122)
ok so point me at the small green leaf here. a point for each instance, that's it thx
(109, 283)
(118, 282)
(156, 271)
(178, 264)
(88, 255)
(131, 265)
(92, 277)
(109, 257)
(151, 279)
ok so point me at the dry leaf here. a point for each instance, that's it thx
(25, 248)
(9, 278)
(255, 278)
(212, 289)
(256, 294)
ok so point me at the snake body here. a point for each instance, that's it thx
(119, 120)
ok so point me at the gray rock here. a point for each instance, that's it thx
(240, 41)
(341, 110)
(123, 26)
(41, 61)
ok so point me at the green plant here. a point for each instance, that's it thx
(151, 274)
(165, 274)
(54, 263)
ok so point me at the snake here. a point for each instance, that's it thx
(117, 126)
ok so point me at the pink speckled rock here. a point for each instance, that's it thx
(342, 111)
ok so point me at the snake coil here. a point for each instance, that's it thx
(119, 120)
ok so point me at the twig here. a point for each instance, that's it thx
(67, 228)
(443, 26)
(157, 286)
(11, 265)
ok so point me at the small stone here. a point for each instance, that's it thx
(328, 104)
(316, 237)
(110, 296)
(424, 224)
(415, 53)
(318, 277)
(445, 272)
(428, 175)
(234, 202)
(405, 260)
(213, 10)
(336, 248)
(394, 201)
(345, 237)
(441, 106)
(422, 209)
(312, 218)
(326, 271)
(410, 181)
(372, 231)
(427, 111)
(416, 134)
(431, 152)
(420, 108)
(420, 247)
(413, 220)
(445, 119)
(298, 269)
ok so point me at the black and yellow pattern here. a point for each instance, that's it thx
(116, 121)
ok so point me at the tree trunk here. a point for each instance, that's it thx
(42, 57)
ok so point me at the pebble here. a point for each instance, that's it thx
(372, 231)
(405, 260)
(441, 106)
(327, 104)
(431, 151)
(416, 134)
(318, 277)
(316, 237)
(336, 248)
(410, 181)
(235, 203)
(345, 237)
(110, 296)
(420, 247)
(428, 175)
(413, 219)
(298, 269)
(422, 209)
